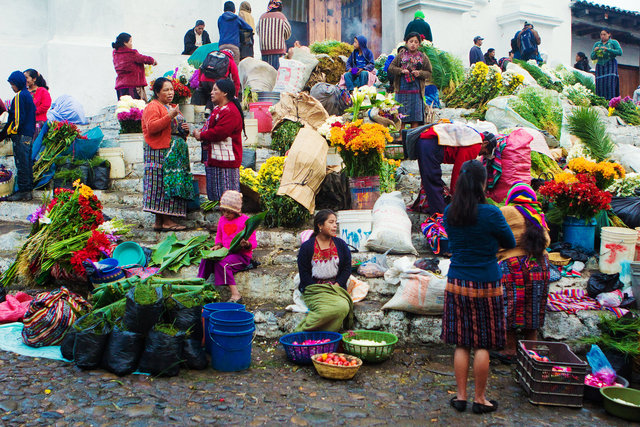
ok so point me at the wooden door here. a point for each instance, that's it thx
(629, 79)
(372, 24)
(324, 20)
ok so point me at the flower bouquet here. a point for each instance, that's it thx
(605, 173)
(58, 138)
(626, 109)
(181, 92)
(66, 231)
(579, 198)
(360, 146)
(129, 114)
(187, 75)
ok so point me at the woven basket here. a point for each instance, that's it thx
(6, 188)
(336, 372)
(370, 353)
(556, 259)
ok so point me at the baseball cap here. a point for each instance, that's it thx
(476, 38)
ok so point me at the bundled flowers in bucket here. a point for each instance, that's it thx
(67, 230)
(129, 114)
(187, 75)
(181, 92)
(626, 109)
(361, 146)
(578, 197)
(57, 140)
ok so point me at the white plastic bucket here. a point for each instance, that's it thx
(617, 244)
(132, 145)
(355, 227)
(115, 156)
(188, 112)
(251, 127)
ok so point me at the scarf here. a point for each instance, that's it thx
(273, 5)
(524, 199)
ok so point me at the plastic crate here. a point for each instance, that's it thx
(557, 382)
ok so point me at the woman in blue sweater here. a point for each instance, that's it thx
(473, 315)
(324, 263)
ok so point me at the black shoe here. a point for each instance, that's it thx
(479, 408)
(458, 405)
(507, 359)
(19, 197)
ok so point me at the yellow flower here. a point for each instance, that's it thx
(565, 176)
(85, 191)
(611, 110)
(77, 183)
(582, 165)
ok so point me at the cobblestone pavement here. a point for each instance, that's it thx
(413, 388)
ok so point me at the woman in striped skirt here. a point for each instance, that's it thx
(473, 315)
(164, 128)
(605, 52)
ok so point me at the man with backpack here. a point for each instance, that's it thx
(215, 66)
(525, 43)
(229, 27)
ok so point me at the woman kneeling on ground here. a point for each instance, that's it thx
(525, 268)
(473, 315)
(324, 263)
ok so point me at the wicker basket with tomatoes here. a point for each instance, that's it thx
(336, 366)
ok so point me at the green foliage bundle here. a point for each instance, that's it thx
(539, 75)
(283, 136)
(539, 108)
(586, 124)
(447, 69)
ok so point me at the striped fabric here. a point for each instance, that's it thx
(50, 315)
(525, 283)
(273, 31)
(607, 80)
(473, 314)
(154, 198)
(573, 300)
(220, 180)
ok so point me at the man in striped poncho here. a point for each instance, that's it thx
(273, 30)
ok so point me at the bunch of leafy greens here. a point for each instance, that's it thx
(173, 254)
(619, 335)
(540, 108)
(283, 136)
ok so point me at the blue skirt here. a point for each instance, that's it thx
(411, 99)
(607, 80)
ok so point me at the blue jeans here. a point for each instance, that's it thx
(359, 80)
(24, 164)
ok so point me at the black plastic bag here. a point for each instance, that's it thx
(186, 319)
(428, 264)
(194, 355)
(100, 177)
(89, 345)
(601, 282)
(162, 354)
(141, 318)
(123, 351)
(66, 346)
(3, 294)
(248, 158)
(334, 192)
(628, 209)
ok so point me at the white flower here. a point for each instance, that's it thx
(381, 98)
(44, 220)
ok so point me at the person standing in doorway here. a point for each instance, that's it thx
(420, 26)
(475, 54)
(246, 36)
(21, 128)
(195, 37)
(274, 30)
(604, 53)
(229, 26)
(129, 65)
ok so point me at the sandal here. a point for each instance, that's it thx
(458, 405)
(176, 227)
(236, 301)
(479, 408)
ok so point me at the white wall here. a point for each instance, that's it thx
(69, 41)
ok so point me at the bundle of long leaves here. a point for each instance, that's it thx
(540, 108)
(586, 124)
(619, 335)
(447, 69)
(540, 76)
(173, 254)
(58, 138)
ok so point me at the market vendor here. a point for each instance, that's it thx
(360, 63)
(411, 72)
(129, 65)
(164, 130)
(324, 264)
(604, 52)
(449, 143)
(221, 139)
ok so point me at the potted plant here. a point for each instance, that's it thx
(577, 199)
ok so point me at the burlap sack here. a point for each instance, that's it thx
(305, 168)
(300, 107)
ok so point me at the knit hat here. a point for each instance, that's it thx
(419, 15)
(231, 200)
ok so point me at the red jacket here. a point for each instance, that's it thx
(232, 73)
(42, 99)
(222, 137)
(129, 65)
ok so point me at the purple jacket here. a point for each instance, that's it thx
(129, 65)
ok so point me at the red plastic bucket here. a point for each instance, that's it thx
(261, 113)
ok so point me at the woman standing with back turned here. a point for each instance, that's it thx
(473, 315)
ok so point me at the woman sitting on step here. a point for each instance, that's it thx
(324, 263)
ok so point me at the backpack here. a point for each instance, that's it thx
(528, 43)
(514, 43)
(215, 65)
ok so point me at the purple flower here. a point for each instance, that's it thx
(194, 82)
(134, 114)
(615, 101)
(36, 215)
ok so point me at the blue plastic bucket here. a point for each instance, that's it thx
(211, 308)
(230, 321)
(579, 232)
(231, 351)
